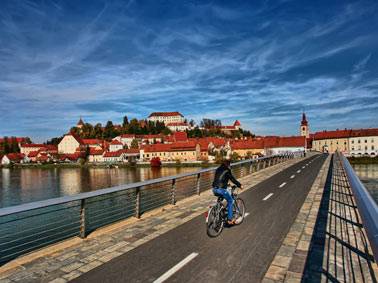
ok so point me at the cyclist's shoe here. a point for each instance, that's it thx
(231, 222)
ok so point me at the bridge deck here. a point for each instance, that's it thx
(327, 243)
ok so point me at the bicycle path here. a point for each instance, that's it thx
(240, 254)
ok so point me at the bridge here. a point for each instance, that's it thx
(309, 219)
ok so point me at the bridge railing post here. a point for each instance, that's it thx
(137, 202)
(83, 228)
(198, 184)
(173, 190)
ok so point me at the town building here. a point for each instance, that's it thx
(304, 128)
(93, 143)
(115, 145)
(13, 158)
(95, 155)
(282, 145)
(178, 126)
(363, 142)
(70, 144)
(248, 148)
(179, 151)
(229, 130)
(80, 123)
(330, 141)
(166, 117)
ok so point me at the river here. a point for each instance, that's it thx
(368, 174)
(18, 186)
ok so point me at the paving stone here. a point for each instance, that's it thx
(72, 275)
(58, 280)
(71, 267)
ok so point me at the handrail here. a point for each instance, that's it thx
(366, 205)
(81, 196)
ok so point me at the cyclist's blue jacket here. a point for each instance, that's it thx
(222, 176)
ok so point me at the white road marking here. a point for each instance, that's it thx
(268, 196)
(292, 176)
(283, 184)
(176, 268)
(246, 214)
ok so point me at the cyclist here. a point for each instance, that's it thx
(222, 176)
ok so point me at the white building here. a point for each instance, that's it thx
(178, 126)
(115, 145)
(166, 117)
(364, 142)
(69, 144)
(126, 139)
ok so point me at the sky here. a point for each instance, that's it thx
(261, 62)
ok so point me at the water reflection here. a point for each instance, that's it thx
(19, 186)
(368, 174)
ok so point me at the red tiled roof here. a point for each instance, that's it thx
(165, 114)
(15, 157)
(295, 141)
(247, 144)
(91, 141)
(157, 136)
(128, 136)
(33, 145)
(180, 136)
(159, 147)
(237, 123)
(113, 153)
(177, 124)
(364, 132)
(93, 151)
(338, 134)
(33, 154)
(116, 142)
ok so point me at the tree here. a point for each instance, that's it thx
(191, 123)
(6, 145)
(54, 141)
(109, 131)
(125, 122)
(134, 144)
(210, 123)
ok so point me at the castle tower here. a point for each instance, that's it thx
(80, 124)
(304, 129)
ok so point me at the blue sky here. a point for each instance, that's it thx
(261, 62)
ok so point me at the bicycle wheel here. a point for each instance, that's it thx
(214, 223)
(239, 211)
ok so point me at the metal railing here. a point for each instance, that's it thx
(30, 226)
(366, 205)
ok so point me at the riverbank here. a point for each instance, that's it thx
(363, 160)
(106, 165)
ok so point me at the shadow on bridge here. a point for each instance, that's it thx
(339, 250)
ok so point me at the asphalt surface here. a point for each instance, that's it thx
(240, 254)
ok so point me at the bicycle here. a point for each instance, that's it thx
(217, 214)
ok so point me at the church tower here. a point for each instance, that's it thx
(304, 129)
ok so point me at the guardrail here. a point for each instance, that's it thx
(366, 205)
(30, 226)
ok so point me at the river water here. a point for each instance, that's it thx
(18, 186)
(368, 174)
